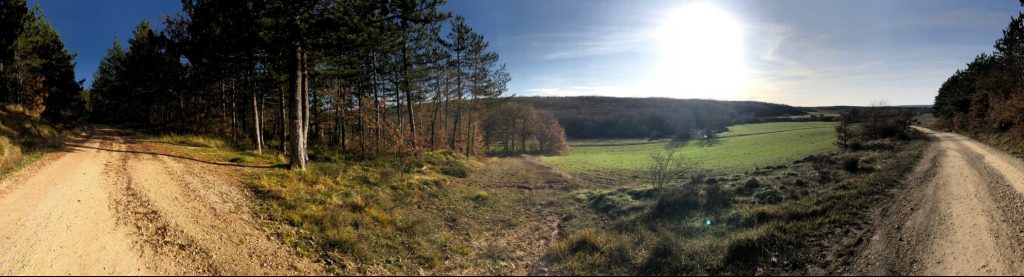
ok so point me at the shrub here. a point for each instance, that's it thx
(587, 241)
(614, 203)
(481, 196)
(676, 201)
(664, 168)
(455, 170)
(851, 164)
(751, 183)
(715, 197)
(769, 196)
(590, 251)
(666, 258)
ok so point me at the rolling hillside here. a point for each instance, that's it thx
(591, 117)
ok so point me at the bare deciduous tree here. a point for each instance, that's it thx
(664, 168)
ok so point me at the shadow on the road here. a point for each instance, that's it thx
(170, 156)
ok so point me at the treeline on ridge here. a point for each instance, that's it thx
(592, 117)
(988, 95)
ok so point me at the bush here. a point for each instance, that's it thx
(614, 203)
(851, 164)
(666, 258)
(590, 251)
(875, 123)
(752, 183)
(715, 197)
(664, 168)
(455, 170)
(448, 163)
(769, 196)
(676, 201)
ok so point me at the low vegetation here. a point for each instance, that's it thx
(24, 138)
(366, 213)
(387, 216)
(778, 219)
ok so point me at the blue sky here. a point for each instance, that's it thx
(794, 52)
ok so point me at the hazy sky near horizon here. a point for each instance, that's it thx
(806, 53)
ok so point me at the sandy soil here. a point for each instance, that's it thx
(109, 205)
(959, 216)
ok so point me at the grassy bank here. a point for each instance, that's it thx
(780, 219)
(24, 138)
(441, 213)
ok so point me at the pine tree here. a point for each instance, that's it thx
(107, 87)
(44, 71)
(12, 14)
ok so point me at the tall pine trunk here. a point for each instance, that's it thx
(297, 154)
(408, 93)
(256, 123)
(282, 121)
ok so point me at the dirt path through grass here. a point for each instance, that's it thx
(539, 225)
(958, 217)
(109, 205)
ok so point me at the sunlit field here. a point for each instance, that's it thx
(743, 147)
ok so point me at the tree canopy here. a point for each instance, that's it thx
(988, 95)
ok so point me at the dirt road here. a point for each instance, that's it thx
(961, 215)
(107, 205)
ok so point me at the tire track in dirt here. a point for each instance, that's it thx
(954, 218)
(57, 220)
(106, 208)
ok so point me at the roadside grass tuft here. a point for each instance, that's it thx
(192, 141)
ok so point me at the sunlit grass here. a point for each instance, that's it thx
(191, 141)
(741, 148)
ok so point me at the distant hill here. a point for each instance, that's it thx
(610, 117)
(835, 108)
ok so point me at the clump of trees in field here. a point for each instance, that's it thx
(988, 95)
(518, 128)
(358, 76)
(36, 70)
(857, 127)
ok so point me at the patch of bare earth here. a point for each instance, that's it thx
(960, 215)
(111, 205)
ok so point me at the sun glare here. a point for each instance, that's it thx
(700, 54)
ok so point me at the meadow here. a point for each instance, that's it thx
(741, 148)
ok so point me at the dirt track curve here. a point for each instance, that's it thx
(106, 206)
(960, 215)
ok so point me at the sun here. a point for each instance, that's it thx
(700, 54)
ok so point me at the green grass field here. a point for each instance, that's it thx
(741, 148)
